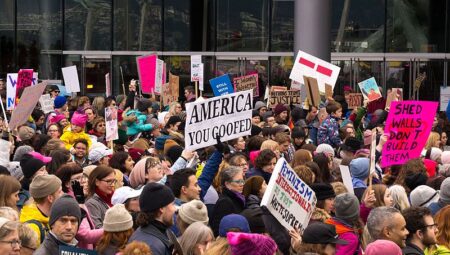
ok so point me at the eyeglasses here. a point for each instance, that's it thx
(101, 125)
(242, 165)
(13, 243)
(110, 182)
(240, 182)
(433, 226)
(56, 91)
(151, 162)
(53, 130)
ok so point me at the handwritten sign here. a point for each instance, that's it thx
(24, 79)
(288, 198)
(147, 72)
(354, 100)
(408, 125)
(171, 89)
(27, 102)
(11, 84)
(284, 97)
(221, 85)
(159, 76)
(196, 60)
(47, 104)
(112, 132)
(228, 116)
(247, 82)
(71, 81)
(369, 89)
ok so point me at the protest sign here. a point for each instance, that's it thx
(354, 100)
(347, 178)
(295, 85)
(328, 91)
(11, 83)
(288, 198)
(444, 98)
(164, 77)
(228, 116)
(70, 250)
(201, 82)
(46, 103)
(221, 85)
(247, 82)
(369, 89)
(372, 163)
(284, 97)
(24, 79)
(408, 126)
(146, 70)
(394, 94)
(27, 102)
(171, 89)
(71, 81)
(196, 60)
(312, 90)
(159, 76)
(108, 85)
(310, 66)
(112, 132)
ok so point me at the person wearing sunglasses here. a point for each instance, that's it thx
(99, 129)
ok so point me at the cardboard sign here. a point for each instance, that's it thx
(328, 91)
(369, 89)
(112, 128)
(221, 85)
(71, 81)
(47, 104)
(288, 198)
(396, 94)
(159, 76)
(347, 178)
(444, 98)
(196, 60)
(228, 116)
(247, 82)
(108, 85)
(408, 126)
(11, 84)
(284, 97)
(312, 90)
(70, 250)
(310, 66)
(24, 79)
(147, 72)
(354, 100)
(27, 102)
(171, 89)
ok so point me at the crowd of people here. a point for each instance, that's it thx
(62, 185)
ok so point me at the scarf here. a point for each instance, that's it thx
(105, 197)
(341, 227)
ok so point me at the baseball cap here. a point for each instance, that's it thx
(321, 233)
(98, 153)
(122, 194)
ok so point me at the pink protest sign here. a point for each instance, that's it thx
(408, 126)
(24, 79)
(147, 71)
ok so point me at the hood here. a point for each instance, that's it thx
(31, 212)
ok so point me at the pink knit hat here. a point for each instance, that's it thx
(383, 247)
(246, 244)
(56, 118)
(137, 175)
(79, 119)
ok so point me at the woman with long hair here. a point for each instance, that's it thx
(196, 239)
(59, 158)
(9, 191)
(122, 161)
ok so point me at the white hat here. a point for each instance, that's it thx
(117, 219)
(122, 194)
(98, 153)
(423, 195)
(3, 221)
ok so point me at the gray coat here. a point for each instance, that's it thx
(97, 209)
(49, 246)
(158, 242)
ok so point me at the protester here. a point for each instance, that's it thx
(254, 189)
(387, 223)
(320, 238)
(383, 247)
(422, 230)
(9, 237)
(243, 243)
(9, 191)
(325, 201)
(196, 239)
(189, 213)
(28, 239)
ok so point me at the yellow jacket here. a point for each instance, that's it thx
(31, 212)
(69, 138)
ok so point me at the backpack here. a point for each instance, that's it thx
(42, 229)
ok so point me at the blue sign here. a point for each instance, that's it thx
(221, 85)
(69, 250)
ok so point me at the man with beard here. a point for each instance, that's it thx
(422, 230)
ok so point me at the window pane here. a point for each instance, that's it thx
(137, 25)
(177, 25)
(6, 37)
(242, 25)
(362, 30)
(282, 26)
(87, 25)
(280, 69)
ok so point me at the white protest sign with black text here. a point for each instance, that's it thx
(47, 104)
(290, 200)
(71, 81)
(11, 81)
(228, 116)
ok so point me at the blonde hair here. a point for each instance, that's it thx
(432, 139)
(399, 197)
(28, 237)
(339, 188)
(269, 144)
(220, 246)
(173, 108)
(196, 233)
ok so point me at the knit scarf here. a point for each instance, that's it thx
(105, 197)
(341, 227)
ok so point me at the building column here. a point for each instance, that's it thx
(312, 27)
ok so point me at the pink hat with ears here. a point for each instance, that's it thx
(57, 118)
(244, 244)
(79, 119)
(41, 157)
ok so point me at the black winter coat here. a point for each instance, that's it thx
(228, 203)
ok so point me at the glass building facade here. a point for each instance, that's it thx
(392, 40)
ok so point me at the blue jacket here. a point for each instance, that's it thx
(209, 171)
(158, 242)
(139, 125)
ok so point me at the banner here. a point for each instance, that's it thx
(310, 66)
(47, 104)
(112, 132)
(247, 82)
(146, 70)
(395, 94)
(108, 85)
(444, 98)
(196, 60)
(171, 90)
(370, 90)
(27, 102)
(228, 116)
(284, 97)
(221, 85)
(288, 198)
(71, 81)
(354, 100)
(408, 126)
(11, 82)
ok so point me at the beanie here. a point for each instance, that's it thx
(169, 144)
(445, 157)
(30, 165)
(383, 247)
(435, 153)
(414, 180)
(136, 153)
(79, 119)
(193, 211)
(359, 168)
(155, 196)
(296, 114)
(25, 133)
(56, 118)
(144, 104)
(235, 221)
(117, 219)
(137, 174)
(64, 206)
(174, 153)
(325, 148)
(252, 186)
(259, 105)
(142, 144)
(444, 193)
(59, 101)
(44, 185)
(160, 141)
(423, 195)
(245, 244)
(279, 108)
(21, 151)
(346, 206)
(323, 190)
(15, 170)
